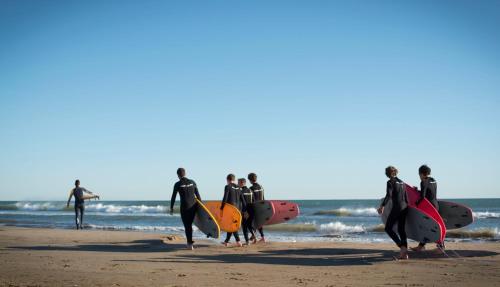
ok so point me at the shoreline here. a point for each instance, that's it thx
(62, 257)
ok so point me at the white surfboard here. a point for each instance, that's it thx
(419, 226)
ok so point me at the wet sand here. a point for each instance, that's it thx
(52, 257)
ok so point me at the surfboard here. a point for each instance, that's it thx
(229, 220)
(206, 222)
(455, 215)
(89, 196)
(419, 226)
(426, 207)
(85, 196)
(283, 211)
(263, 211)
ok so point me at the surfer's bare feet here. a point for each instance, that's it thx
(403, 254)
(262, 239)
(238, 244)
(190, 247)
(418, 248)
(225, 243)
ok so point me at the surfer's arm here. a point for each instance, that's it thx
(70, 196)
(243, 202)
(387, 195)
(172, 200)
(224, 199)
(87, 191)
(422, 191)
(196, 191)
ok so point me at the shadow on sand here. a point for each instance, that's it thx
(291, 257)
(139, 246)
(310, 257)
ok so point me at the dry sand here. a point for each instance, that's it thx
(50, 257)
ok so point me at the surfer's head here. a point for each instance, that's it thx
(230, 178)
(241, 182)
(252, 177)
(181, 172)
(77, 183)
(391, 171)
(424, 171)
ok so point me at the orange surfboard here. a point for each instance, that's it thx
(229, 219)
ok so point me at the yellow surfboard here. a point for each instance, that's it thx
(205, 221)
(229, 219)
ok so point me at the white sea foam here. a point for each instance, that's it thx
(338, 227)
(486, 214)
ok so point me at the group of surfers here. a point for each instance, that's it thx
(396, 192)
(238, 195)
(242, 197)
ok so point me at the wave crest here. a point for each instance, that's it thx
(343, 211)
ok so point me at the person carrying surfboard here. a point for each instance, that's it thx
(396, 192)
(188, 192)
(78, 193)
(428, 190)
(248, 215)
(258, 192)
(233, 195)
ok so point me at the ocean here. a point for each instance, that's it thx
(320, 220)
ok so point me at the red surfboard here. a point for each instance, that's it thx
(283, 211)
(426, 207)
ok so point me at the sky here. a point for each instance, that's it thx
(316, 97)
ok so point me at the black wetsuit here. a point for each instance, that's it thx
(233, 195)
(397, 193)
(247, 223)
(188, 192)
(258, 195)
(428, 189)
(79, 205)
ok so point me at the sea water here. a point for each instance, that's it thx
(319, 220)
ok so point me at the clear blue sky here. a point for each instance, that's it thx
(316, 97)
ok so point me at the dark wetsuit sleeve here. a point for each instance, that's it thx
(174, 195)
(422, 191)
(243, 202)
(224, 199)
(387, 194)
(196, 191)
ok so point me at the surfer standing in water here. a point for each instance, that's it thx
(396, 192)
(188, 192)
(258, 195)
(233, 195)
(248, 215)
(428, 190)
(77, 192)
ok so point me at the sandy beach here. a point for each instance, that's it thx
(56, 257)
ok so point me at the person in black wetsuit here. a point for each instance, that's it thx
(397, 193)
(233, 195)
(258, 195)
(428, 190)
(188, 192)
(77, 192)
(248, 214)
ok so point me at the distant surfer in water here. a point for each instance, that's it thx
(188, 192)
(233, 195)
(78, 193)
(248, 213)
(258, 195)
(396, 192)
(428, 190)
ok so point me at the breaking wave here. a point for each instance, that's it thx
(369, 211)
